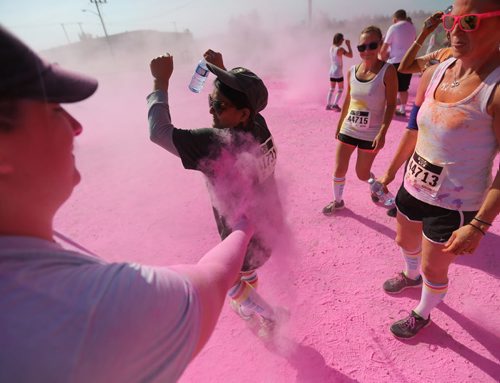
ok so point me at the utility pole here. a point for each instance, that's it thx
(66, 33)
(97, 2)
(310, 9)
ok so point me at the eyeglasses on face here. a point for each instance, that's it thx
(467, 23)
(370, 46)
(218, 105)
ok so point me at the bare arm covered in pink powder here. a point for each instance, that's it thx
(214, 274)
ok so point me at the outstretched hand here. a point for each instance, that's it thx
(214, 58)
(161, 69)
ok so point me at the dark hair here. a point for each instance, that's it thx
(400, 14)
(239, 99)
(372, 29)
(337, 38)
(9, 110)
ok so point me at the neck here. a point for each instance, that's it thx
(19, 222)
(370, 65)
(478, 64)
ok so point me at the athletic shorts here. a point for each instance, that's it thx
(361, 144)
(437, 223)
(403, 80)
(338, 79)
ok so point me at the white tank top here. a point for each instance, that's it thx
(456, 147)
(336, 59)
(366, 109)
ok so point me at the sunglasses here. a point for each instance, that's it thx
(467, 23)
(218, 105)
(370, 47)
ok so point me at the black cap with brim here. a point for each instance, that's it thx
(24, 75)
(244, 81)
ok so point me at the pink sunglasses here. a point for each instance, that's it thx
(467, 23)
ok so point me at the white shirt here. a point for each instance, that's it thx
(399, 37)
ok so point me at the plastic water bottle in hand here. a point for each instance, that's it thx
(378, 194)
(199, 77)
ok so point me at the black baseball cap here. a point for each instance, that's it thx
(25, 75)
(244, 81)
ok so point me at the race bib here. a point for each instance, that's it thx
(359, 119)
(422, 174)
(267, 161)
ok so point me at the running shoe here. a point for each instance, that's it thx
(336, 108)
(238, 309)
(409, 327)
(332, 206)
(400, 113)
(401, 282)
(329, 107)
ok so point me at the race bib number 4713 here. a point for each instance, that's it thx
(423, 174)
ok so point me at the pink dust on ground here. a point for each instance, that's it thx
(136, 203)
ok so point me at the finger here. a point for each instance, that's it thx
(450, 241)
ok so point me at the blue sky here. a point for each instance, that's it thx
(40, 22)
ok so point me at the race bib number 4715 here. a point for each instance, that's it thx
(423, 174)
(360, 119)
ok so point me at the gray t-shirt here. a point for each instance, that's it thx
(70, 317)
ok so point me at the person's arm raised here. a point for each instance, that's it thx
(409, 63)
(160, 123)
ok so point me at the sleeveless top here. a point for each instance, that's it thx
(456, 146)
(336, 59)
(366, 109)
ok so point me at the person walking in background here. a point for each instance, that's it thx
(68, 316)
(413, 64)
(336, 73)
(400, 36)
(237, 155)
(449, 199)
(366, 114)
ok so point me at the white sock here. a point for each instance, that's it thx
(337, 96)
(338, 188)
(412, 262)
(432, 294)
(329, 98)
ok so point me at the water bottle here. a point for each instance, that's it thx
(199, 77)
(378, 194)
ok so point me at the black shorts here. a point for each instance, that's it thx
(362, 144)
(437, 223)
(403, 80)
(339, 79)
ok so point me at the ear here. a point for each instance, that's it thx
(245, 115)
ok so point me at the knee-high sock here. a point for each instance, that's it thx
(338, 188)
(329, 98)
(250, 300)
(251, 278)
(337, 96)
(412, 262)
(432, 294)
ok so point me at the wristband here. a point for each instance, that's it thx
(483, 222)
(477, 228)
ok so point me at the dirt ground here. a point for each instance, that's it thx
(137, 203)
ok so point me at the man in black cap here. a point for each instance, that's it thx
(68, 316)
(238, 157)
